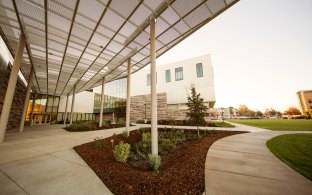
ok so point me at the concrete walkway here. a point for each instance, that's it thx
(43, 162)
(242, 164)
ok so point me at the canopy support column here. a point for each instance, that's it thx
(65, 116)
(154, 130)
(8, 99)
(128, 97)
(102, 104)
(72, 106)
(21, 126)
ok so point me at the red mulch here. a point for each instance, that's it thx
(182, 170)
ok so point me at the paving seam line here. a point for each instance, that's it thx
(14, 182)
(240, 152)
(259, 177)
(86, 166)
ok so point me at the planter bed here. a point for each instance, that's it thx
(181, 171)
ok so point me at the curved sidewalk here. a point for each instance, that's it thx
(242, 164)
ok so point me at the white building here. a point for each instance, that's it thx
(175, 80)
(173, 83)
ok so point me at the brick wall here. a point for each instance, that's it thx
(18, 100)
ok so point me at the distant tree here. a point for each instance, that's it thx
(245, 111)
(292, 111)
(269, 112)
(259, 113)
(197, 111)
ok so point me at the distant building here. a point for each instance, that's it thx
(227, 113)
(305, 101)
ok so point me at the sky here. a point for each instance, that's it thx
(261, 52)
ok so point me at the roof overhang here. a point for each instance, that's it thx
(80, 42)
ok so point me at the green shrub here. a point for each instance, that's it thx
(99, 142)
(83, 126)
(77, 127)
(121, 152)
(154, 162)
(143, 147)
(125, 134)
(107, 123)
(167, 145)
(121, 121)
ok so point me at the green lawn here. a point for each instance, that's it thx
(295, 150)
(277, 124)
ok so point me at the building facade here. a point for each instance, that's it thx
(305, 101)
(173, 83)
(175, 79)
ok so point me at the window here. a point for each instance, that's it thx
(148, 79)
(168, 76)
(310, 101)
(179, 74)
(199, 70)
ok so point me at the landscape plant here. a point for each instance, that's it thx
(99, 142)
(155, 162)
(197, 110)
(121, 152)
(125, 134)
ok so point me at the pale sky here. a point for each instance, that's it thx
(261, 53)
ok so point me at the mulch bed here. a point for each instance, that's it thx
(182, 170)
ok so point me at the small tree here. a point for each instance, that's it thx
(292, 111)
(197, 111)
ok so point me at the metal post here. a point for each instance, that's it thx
(32, 109)
(21, 126)
(128, 97)
(102, 104)
(154, 131)
(65, 117)
(72, 106)
(8, 99)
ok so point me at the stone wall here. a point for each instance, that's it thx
(137, 108)
(177, 114)
(18, 100)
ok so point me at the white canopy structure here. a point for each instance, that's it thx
(74, 45)
(81, 41)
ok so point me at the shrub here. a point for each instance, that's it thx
(83, 126)
(144, 146)
(77, 127)
(121, 152)
(125, 134)
(107, 123)
(99, 142)
(154, 162)
(166, 146)
(121, 121)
